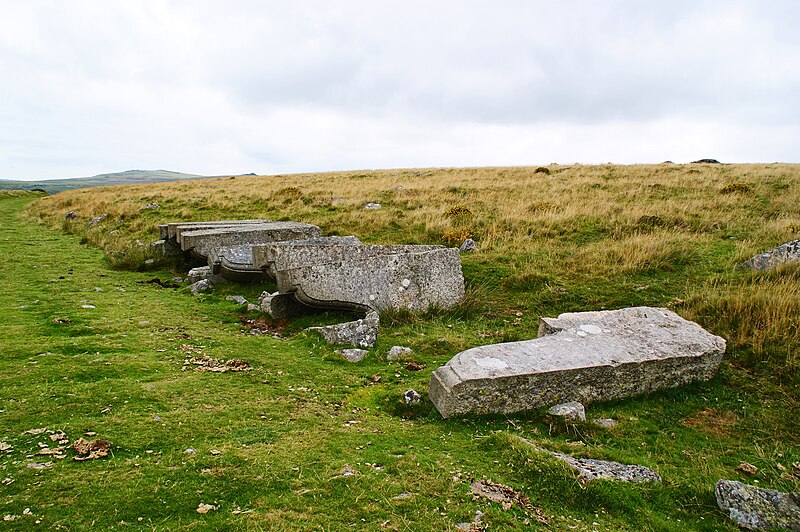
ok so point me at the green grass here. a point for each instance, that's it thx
(287, 428)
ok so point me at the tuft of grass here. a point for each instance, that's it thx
(736, 188)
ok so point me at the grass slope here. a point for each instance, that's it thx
(550, 243)
(128, 177)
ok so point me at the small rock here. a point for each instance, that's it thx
(412, 397)
(37, 465)
(190, 451)
(88, 306)
(71, 215)
(347, 471)
(203, 508)
(468, 246)
(96, 220)
(204, 272)
(361, 333)
(251, 307)
(89, 450)
(238, 299)
(372, 206)
(353, 355)
(200, 286)
(605, 422)
(150, 206)
(746, 467)
(398, 352)
(756, 508)
(573, 411)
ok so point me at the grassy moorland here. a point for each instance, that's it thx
(270, 444)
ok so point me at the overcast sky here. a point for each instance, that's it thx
(213, 87)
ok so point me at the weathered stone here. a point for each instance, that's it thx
(585, 357)
(71, 215)
(96, 220)
(412, 397)
(360, 333)
(150, 206)
(468, 246)
(252, 306)
(372, 206)
(605, 422)
(757, 508)
(398, 352)
(785, 253)
(237, 299)
(367, 278)
(200, 286)
(171, 231)
(573, 411)
(201, 242)
(264, 256)
(204, 272)
(353, 355)
(284, 306)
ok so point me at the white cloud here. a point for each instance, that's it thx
(96, 86)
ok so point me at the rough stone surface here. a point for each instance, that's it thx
(788, 252)
(204, 272)
(284, 306)
(398, 352)
(353, 355)
(203, 285)
(372, 206)
(237, 299)
(96, 220)
(71, 215)
(264, 256)
(201, 242)
(367, 278)
(468, 246)
(360, 333)
(412, 397)
(585, 357)
(605, 422)
(757, 508)
(572, 410)
(171, 231)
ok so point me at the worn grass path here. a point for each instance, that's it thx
(266, 448)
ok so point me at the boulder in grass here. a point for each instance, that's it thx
(758, 508)
(783, 254)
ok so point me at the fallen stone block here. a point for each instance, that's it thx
(201, 242)
(204, 272)
(757, 508)
(353, 355)
(783, 254)
(585, 357)
(365, 278)
(200, 286)
(398, 352)
(360, 333)
(291, 253)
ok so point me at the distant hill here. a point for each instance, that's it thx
(129, 177)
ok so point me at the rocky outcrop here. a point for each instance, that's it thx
(783, 254)
(757, 508)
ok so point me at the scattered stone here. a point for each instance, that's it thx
(404, 495)
(62, 320)
(573, 411)
(468, 246)
(412, 397)
(360, 333)
(71, 215)
(252, 306)
(88, 306)
(206, 363)
(501, 493)
(4, 446)
(398, 352)
(40, 466)
(190, 451)
(475, 526)
(746, 467)
(89, 450)
(203, 508)
(150, 206)
(353, 355)
(605, 422)
(372, 206)
(757, 508)
(785, 253)
(347, 471)
(204, 273)
(34, 432)
(200, 286)
(237, 299)
(585, 356)
(96, 220)
(414, 366)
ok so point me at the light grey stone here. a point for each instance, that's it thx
(284, 306)
(572, 410)
(201, 242)
(372, 206)
(200, 286)
(605, 422)
(204, 272)
(398, 352)
(237, 299)
(96, 220)
(171, 231)
(785, 253)
(264, 256)
(758, 508)
(585, 357)
(468, 246)
(360, 333)
(252, 306)
(353, 355)
(365, 278)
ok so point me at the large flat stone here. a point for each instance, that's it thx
(783, 254)
(202, 242)
(171, 230)
(264, 256)
(585, 357)
(367, 278)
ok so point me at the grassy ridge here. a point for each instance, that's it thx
(286, 430)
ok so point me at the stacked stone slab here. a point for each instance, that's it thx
(366, 278)
(585, 356)
(201, 242)
(237, 263)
